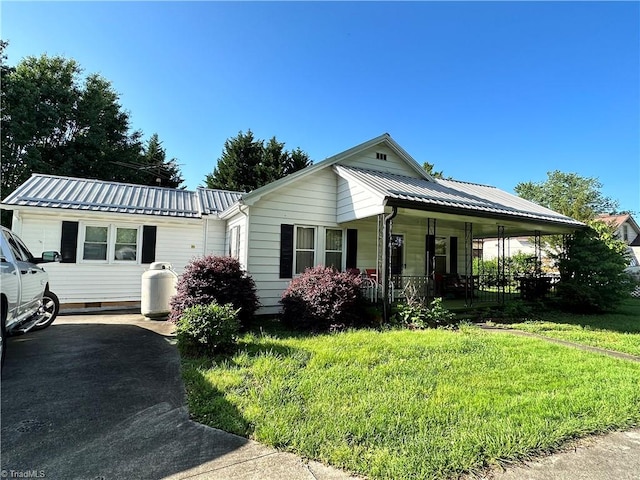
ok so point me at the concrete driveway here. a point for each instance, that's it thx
(100, 397)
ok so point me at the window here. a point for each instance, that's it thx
(441, 255)
(95, 243)
(381, 156)
(234, 242)
(126, 244)
(333, 249)
(110, 243)
(305, 248)
(625, 233)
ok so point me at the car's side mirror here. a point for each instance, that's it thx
(51, 256)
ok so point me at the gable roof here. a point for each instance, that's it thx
(618, 220)
(450, 196)
(385, 138)
(113, 197)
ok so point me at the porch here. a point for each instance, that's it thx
(413, 254)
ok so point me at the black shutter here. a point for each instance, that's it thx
(429, 253)
(453, 255)
(286, 251)
(149, 243)
(352, 248)
(69, 242)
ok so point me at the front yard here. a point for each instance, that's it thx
(619, 331)
(419, 404)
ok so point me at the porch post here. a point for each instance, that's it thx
(501, 265)
(468, 263)
(537, 243)
(386, 278)
(430, 259)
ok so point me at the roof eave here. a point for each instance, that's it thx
(431, 207)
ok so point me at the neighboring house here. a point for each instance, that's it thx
(371, 207)
(628, 231)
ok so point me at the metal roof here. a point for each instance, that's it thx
(450, 194)
(113, 197)
(216, 201)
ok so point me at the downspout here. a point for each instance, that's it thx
(386, 312)
(245, 250)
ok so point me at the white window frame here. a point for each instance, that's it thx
(234, 242)
(295, 247)
(111, 243)
(343, 259)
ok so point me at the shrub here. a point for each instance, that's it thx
(417, 315)
(206, 329)
(215, 279)
(322, 298)
(592, 277)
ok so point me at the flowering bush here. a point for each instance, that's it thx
(322, 298)
(211, 279)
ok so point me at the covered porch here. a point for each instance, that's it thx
(422, 239)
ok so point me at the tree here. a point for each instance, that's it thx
(428, 167)
(247, 163)
(592, 277)
(569, 194)
(154, 157)
(54, 121)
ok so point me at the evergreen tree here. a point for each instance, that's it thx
(247, 163)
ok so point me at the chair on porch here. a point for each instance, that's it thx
(371, 286)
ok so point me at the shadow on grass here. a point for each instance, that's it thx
(625, 319)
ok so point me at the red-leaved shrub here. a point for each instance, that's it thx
(215, 279)
(322, 298)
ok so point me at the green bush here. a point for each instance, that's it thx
(415, 314)
(592, 277)
(207, 329)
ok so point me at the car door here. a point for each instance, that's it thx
(10, 280)
(32, 277)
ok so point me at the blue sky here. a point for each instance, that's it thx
(489, 92)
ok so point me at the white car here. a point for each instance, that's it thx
(27, 302)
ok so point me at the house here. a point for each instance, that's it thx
(628, 231)
(371, 207)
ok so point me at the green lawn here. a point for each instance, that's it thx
(412, 404)
(619, 331)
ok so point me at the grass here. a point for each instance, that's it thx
(618, 331)
(412, 404)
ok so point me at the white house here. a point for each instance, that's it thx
(371, 207)
(628, 231)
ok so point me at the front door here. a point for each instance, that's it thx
(397, 254)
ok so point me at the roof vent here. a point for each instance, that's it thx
(381, 156)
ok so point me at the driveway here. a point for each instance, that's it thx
(100, 397)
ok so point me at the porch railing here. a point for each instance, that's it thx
(471, 288)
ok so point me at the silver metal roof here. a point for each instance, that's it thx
(451, 194)
(216, 201)
(102, 196)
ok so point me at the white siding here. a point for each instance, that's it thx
(239, 220)
(393, 164)
(309, 201)
(176, 243)
(355, 202)
(414, 231)
(216, 236)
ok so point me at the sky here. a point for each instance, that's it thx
(497, 93)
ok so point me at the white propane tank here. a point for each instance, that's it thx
(158, 286)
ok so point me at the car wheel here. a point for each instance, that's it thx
(51, 307)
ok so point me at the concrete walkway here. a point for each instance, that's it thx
(100, 397)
